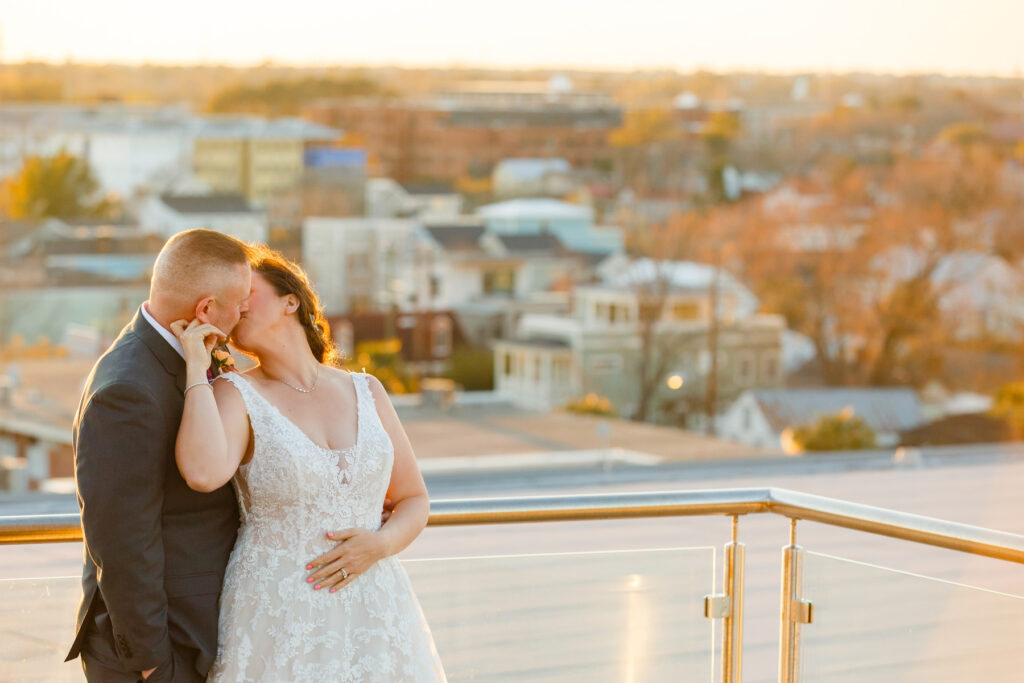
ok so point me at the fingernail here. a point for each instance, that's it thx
(330, 534)
(316, 587)
(332, 590)
(309, 566)
(310, 579)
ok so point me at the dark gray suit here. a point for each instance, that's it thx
(155, 550)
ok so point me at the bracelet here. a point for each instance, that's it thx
(193, 386)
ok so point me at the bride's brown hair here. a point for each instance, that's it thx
(287, 278)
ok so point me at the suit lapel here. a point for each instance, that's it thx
(168, 357)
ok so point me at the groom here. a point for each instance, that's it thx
(155, 550)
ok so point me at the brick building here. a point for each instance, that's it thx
(466, 133)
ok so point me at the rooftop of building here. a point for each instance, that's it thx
(535, 209)
(456, 237)
(245, 127)
(883, 409)
(495, 427)
(208, 203)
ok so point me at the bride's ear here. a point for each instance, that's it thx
(292, 304)
(202, 310)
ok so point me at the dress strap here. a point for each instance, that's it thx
(370, 425)
(362, 385)
(249, 395)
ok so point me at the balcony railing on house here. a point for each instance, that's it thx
(645, 615)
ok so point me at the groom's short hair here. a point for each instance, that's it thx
(191, 258)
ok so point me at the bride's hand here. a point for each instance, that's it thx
(358, 550)
(197, 340)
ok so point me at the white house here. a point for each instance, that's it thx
(359, 263)
(598, 348)
(764, 417)
(168, 214)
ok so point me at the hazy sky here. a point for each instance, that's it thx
(961, 36)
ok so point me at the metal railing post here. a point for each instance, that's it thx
(732, 625)
(794, 611)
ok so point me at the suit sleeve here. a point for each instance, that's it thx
(120, 471)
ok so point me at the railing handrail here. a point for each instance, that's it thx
(792, 504)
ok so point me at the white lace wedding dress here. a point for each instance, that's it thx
(273, 625)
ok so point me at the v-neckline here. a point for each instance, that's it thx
(297, 428)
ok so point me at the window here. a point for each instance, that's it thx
(605, 364)
(499, 281)
(685, 311)
(441, 337)
(770, 366)
(745, 368)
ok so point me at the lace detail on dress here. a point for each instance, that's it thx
(274, 626)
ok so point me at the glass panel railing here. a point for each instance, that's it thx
(625, 616)
(877, 624)
(37, 623)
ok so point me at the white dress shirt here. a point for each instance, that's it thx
(164, 332)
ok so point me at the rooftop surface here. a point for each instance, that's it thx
(861, 599)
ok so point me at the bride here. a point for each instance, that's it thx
(305, 442)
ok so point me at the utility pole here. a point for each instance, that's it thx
(711, 392)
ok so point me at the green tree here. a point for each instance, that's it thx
(287, 97)
(61, 186)
(841, 432)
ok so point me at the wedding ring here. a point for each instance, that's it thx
(344, 574)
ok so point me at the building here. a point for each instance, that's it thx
(231, 214)
(427, 338)
(982, 297)
(474, 268)
(128, 146)
(600, 347)
(513, 178)
(406, 264)
(467, 131)
(386, 198)
(256, 157)
(332, 184)
(62, 279)
(363, 264)
(572, 224)
(38, 399)
(766, 417)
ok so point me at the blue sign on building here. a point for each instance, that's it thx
(325, 157)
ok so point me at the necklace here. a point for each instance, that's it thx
(316, 380)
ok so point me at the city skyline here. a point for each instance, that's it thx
(788, 37)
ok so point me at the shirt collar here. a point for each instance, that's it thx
(163, 331)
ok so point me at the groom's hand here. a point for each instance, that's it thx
(385, 514)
